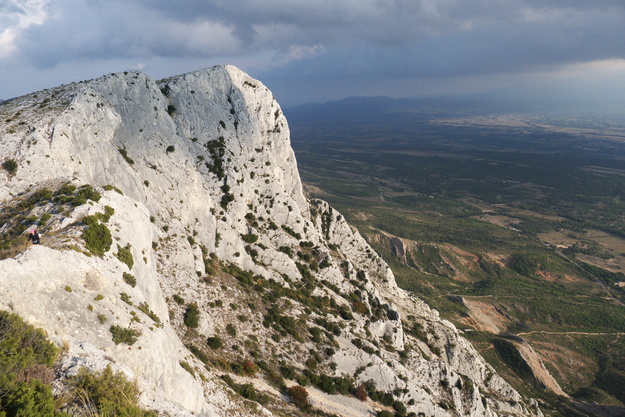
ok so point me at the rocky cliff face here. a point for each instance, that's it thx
(218, 264)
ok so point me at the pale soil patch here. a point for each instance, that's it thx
(570, 368)
(391, 194)
(337, 404)
(479, 204)
(493, 121)
(362, 216)
(612, 265)
(311, 190)
(548, 276)
(538, 369)
(540, 215)
(603, 170)
(486, 316)
(462, 252)
(561, 239)
(499, 220)
(606, 239)
(458, 275)
(527, 124)
(495, 258)
(616, 245)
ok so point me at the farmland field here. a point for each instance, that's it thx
(512, 225)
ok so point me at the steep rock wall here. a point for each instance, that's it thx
(207, 177)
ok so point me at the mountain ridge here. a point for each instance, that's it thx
(206, 201)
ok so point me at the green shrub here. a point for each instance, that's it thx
(178, 299)
(32, 398)
(43, 194)
(121, 335)
(90, 219)
(130, 279)
(145, 308)
(287, 250)
(214, 342)
(192, 316)
(246, 390)
(197, 352)
(109, 187)
(125, 255)
(111, 394)
(108, 212)
(125, 298)
(250, 238)
(187, 367)
(124, 154)
(26, 358)
(227, 198)
(22, 346)
(44, 219)
(291, 232)
(78, 201)
(10, 166)
(231, 330)
(88, 193)
(98, 239)
(67, 189)
(170, 149)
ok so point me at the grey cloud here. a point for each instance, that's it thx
(312, 39)
(531, 29)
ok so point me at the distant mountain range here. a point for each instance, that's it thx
(355, 109)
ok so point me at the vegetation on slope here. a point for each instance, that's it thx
(27, 361)
(505, 231)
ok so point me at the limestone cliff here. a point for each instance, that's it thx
(219, 265)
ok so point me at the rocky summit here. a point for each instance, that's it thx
(179, 249)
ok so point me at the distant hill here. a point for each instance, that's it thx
(364, 107)
(359, 109)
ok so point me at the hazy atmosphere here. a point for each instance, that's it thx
(319, 50)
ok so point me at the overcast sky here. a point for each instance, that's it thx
(320, 50)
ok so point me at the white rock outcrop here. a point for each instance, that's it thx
(201, 178)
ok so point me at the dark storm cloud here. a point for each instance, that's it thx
(317, 39)
(460, 32)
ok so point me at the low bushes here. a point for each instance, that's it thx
(98, 239)
(26, 358)
(10, 166)
(192, 316)
(111, 394)
(299, 396)
(121, 335)
(125, 255)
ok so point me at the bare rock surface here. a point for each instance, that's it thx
(204, 191)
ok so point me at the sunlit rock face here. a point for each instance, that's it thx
(201, 186)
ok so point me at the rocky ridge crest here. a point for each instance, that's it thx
(201, 187)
